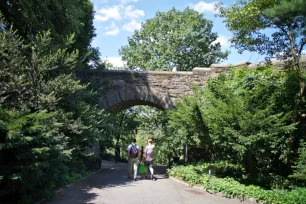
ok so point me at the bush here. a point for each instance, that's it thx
(232, 188)
(33, 155)
(300, 167)
(221, 168)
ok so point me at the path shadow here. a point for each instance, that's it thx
(87, 190)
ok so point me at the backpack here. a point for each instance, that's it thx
(134, 151)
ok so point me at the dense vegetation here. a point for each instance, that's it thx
(249, 22)
(47, 118)
(62, 18)
(248, 124)
(253, 119)
(234, 187)
(244, 118)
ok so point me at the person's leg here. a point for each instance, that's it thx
(135, 161)
(130, 168)
(146, 165)
(152, 170)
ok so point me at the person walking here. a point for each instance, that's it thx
(133, 152)
(148, 158)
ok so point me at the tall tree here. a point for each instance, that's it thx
(47, 118)
(62, 18)
(241, 117)
(182, 38)
(249, 21)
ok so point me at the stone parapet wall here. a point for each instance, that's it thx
(279, 64)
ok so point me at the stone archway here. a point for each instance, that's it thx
(116, 101)
(118, 90)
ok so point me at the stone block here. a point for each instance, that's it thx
(244, 63)
(219, 66)
(201, 70)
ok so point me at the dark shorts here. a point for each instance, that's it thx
(148, 163)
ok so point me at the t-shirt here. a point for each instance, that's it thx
(149, 152)
(130, 146)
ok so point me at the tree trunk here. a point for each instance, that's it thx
(295, 115)
(251, 167)
(117, 146)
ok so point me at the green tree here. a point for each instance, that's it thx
(62, 18)
(47, 118)
(285, 19)
(153, 124)
(299, 168)
(241, 117)
(249, 20)
(181, 38)
(33, 155)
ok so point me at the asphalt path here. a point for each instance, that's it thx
(112, 186)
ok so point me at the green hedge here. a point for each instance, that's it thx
(222, 168)
(232, 188)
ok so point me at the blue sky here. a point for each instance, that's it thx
(116, 20)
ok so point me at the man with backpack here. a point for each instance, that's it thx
(133, 152)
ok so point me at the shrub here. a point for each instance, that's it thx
(221, 168)
(300, 167)
(232, 188)
(33, 155)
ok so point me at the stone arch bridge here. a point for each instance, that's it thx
(118, 90)
(121, 89)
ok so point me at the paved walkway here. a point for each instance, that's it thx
(111, 186)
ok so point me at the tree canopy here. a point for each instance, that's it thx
(250, 19)
(47, 117)
(173, 38)
(275, 28)
(62, 18)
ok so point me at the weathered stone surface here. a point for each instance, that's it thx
(122, 89)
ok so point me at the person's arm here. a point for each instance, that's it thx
(144, 154)
(141, 154)
(128, 150)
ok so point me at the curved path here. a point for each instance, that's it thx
(111, 186)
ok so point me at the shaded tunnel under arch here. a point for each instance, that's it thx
(128, 97)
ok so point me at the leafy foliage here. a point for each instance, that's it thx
(249, 19)
(33, 154)
(242, 117)
(252, 21)
(62, 19)
(229, 187)
(153, 124)
(300, 170)
(220, 169)
(182, 38)
(48, 119)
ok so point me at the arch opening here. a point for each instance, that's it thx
(131, 103)
(129, 97)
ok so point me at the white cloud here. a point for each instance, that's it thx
(223, 40)
(202, 6)
(105, 14)
(116, 61)
(112, 29)
(131, 26)
(127, 1)
(130, 12)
